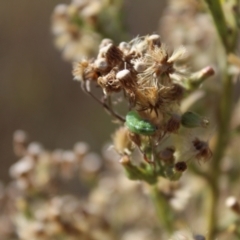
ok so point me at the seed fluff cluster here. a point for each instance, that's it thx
(153, 82)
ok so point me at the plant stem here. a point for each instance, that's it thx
(223, 137)
(219, 21)
(163, 210)
(225, 109)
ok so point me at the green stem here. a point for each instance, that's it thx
(163, 209)
(212, 211)
(225, 109)
(223, 138)
(220, 22)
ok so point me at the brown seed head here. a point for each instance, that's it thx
(170, 94)
(203, 151)
(110, 83)
(167, 155)
(127, 79)
(147, 98)
(121, 141)
(175, 92)
(113, 55)
(84, 70)
(173, 123)
(158, 58)
(180, 166)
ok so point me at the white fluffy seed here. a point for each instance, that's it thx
(101, 64)
(155, 39)
(124, 46)
(123, 74)
(139, 67)
(103, 50)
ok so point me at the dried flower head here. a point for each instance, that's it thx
(180, 166)
(203, 152)
(110, 83)
(159, 67)
(173, 124)
(84, 71)
(152, 80)
(122, 142)
(167, 155)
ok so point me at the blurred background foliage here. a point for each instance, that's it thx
(37, 93)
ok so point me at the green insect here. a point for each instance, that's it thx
(138, 125)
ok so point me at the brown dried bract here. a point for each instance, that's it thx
(203, 151)
(173, 123)
(180, 166)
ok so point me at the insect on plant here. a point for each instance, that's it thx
(138, 125)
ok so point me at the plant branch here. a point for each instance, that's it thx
(223, 137)
(219, 21)
(163, 210)
(228, 39)
(105, 106)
